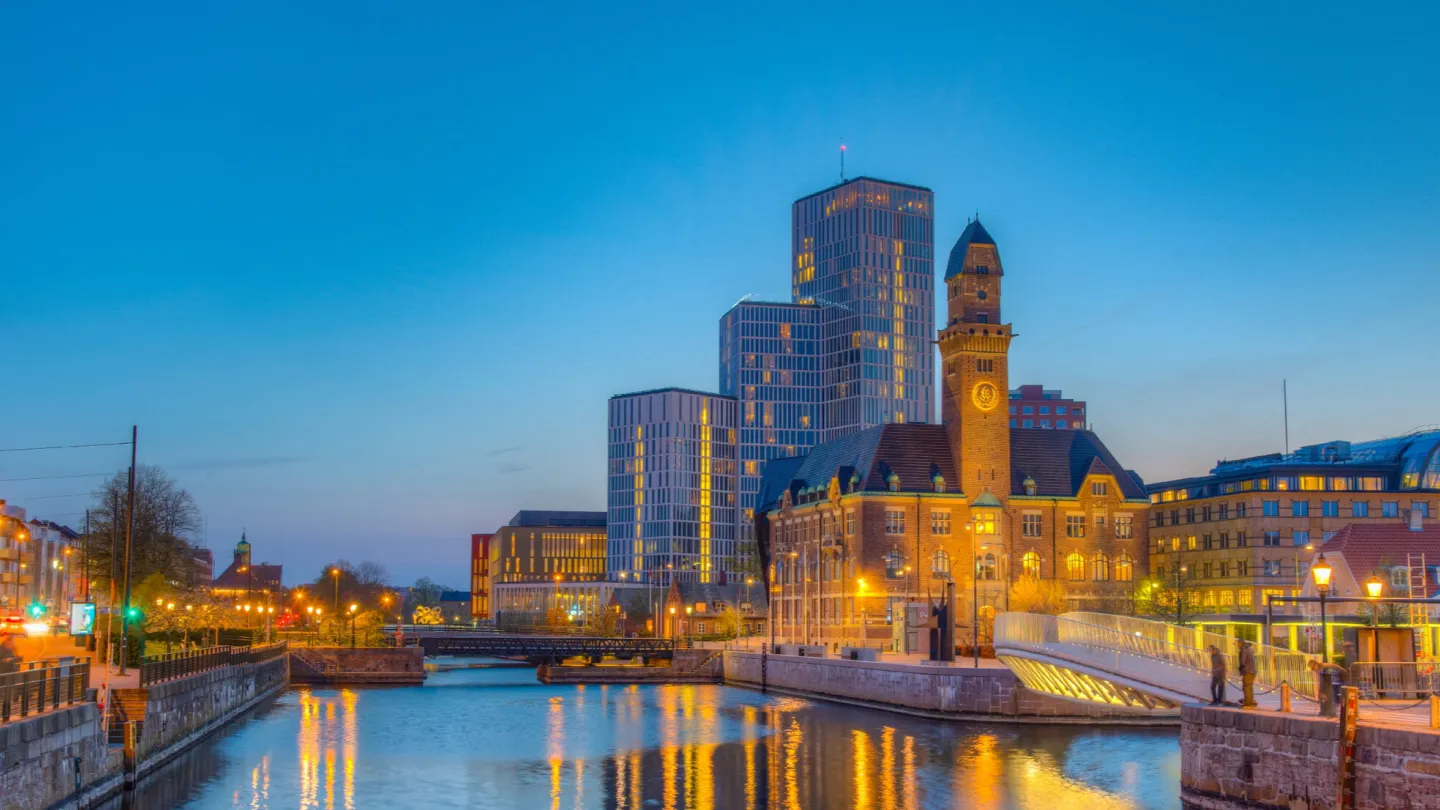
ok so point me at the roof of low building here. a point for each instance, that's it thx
(259, 576)
(548, 517)
(1059, 460)
(1368, 548)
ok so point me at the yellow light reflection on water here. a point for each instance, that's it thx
(860, 757)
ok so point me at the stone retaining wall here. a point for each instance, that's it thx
(1234, 759)
(182, 710)
(990, 693)
(38, 754)
(333, 665)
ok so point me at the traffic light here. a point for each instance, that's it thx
(132, 612)
(37, 610)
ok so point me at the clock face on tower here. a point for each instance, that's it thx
(985, 395)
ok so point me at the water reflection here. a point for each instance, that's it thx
(496, 739)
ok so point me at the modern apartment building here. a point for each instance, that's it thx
(1035, 406)
(672, 486)
(770, 363)
(864, 252)
(1250, 527)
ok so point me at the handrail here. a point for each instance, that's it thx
(1039, 633)
(39, 689)
(1383, 679)
(169, 666)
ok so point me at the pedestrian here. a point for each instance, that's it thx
(1217, 676)
(1247, 674)
(9, 656)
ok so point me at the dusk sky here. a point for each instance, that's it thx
(365, 274)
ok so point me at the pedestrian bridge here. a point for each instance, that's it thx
(1133, 664)
(541, 649)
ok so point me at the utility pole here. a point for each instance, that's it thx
(129, 546)
(85, 561)
(114, 574)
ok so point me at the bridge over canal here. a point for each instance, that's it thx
(541, 649)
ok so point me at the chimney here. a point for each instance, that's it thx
(1414, 520)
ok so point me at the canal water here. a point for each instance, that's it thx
(498, 739)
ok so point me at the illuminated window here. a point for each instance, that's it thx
(1100, 568)
(1312, 482)
(1030, 564)
(984, 523)
(1075, 567)
(1124, 568)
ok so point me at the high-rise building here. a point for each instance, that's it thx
(1035, 406)
(672, 486)
(770, 362)
(864, 251)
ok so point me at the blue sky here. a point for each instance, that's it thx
(365, 274)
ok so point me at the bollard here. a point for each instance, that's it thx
(1435, 711)
(1285, 696)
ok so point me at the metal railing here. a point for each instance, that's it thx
(161, 668)
(1382, 680)
(37, 689)
(1106, 638)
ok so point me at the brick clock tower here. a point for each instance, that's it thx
(974, 348)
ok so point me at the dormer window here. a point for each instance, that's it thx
(938, 482)
(893, 481)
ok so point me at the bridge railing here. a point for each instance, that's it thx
(1272, 664)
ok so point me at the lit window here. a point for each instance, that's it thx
(1075, 567)
(1030, 564)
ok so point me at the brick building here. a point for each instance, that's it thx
(861, 524)
(1035, 406)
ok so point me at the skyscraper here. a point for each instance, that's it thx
(770, 363)
(671, 486)
(864, 252)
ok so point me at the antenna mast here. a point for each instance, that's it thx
(842, 160)
(1285, 399)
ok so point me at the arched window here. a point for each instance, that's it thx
(1124, 568)
(894, 563)
(940, 564)
(1075, 567)
(987, 567)
(1030, 564)
(1100, 568)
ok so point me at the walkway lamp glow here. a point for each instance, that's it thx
(353, 616)
(1321, 571)
(1374, 586)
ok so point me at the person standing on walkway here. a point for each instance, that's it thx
(1217, 676)
(1247, 674)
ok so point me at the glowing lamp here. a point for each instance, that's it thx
(1373, 586)
(1321, 571)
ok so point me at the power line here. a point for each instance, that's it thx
(55, 477)
(60, 447)
(52, 497)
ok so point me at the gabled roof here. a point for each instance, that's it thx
(1369, 547)
(1059, 460)
(974, 234)
(914, 452)
(259, 577)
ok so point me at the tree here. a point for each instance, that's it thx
(729, 623)
(166, 518)
(1174, 600)
(1035, 595)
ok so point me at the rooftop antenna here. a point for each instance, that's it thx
(1285, 400)
(842, 160)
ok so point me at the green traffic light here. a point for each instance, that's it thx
(37, 610)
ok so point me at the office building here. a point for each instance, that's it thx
(1035, 406)
(480, 576)
(1247, 529)
(544, 546)
(770, 363)
(864, 252)
(672, 486)
(891, 514)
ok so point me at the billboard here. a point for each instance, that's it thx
(82, 618)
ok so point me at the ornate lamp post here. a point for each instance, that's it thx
(1373, 587)
(1321, 571)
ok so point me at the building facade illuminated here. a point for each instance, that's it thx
(864, 252)
(1250, 527)
(770, 363)
(672, 486)
(540, 545)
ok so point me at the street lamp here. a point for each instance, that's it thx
(353, 615)
(1373, 586)
(335, 572)
(1321, 571)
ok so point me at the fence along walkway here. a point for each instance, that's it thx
(160, 668)
(41, 687)
(1130, 662)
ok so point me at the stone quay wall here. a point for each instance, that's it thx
(1233, 759)
(993, 694)
(185, 710)
(361, 665)
(38, 758)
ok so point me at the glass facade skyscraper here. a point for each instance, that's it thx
(770, 363)
(864, 252)
(672, 486)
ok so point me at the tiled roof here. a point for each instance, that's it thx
(1369, 547)
(258, 577)
(1059, 460)
(916, 453)
(974, 234)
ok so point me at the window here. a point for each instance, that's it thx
(1099, 517)
(1074, 525)
(1030, 564)
(1124, 527)
(1246, 598)
(985, 568)
(1029, 423)
(1031, 526)
(1272, 538)
(1209, 571)
(1423, 507)
(1044, 410)
(1208, 542)
(1223, 512)
(985, 365)
(894, 521)
(1400, 578)
(1224, 539)
(1360, 509)
(1240, 509)
(1027, 409)
(1075, 567)
(1312, 483)
(894, 563)
(1227, 598)
(1190, 543)
(1099, 488)
(940, 523)
(1325, 536)
(1044, 423)
(1301, 538)
(1390, 509)
(1242, 568)
(1330, 509)
(1100, 568)
(1299, 509)
(700, 607)
(984, 522)
(1241, 541)
(940, 565)
(1224, 569)
(1124, 568)
(1272, 568)
(1270, 508)
(850, 521)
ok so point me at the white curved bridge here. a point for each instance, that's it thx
(1143, 666)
